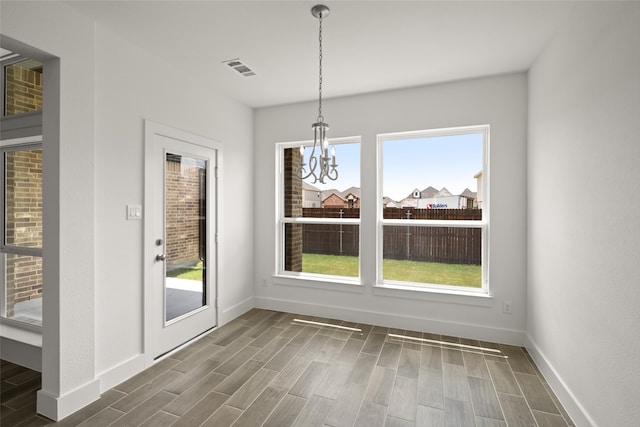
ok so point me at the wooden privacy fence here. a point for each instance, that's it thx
(449, 245)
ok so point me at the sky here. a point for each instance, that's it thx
(443, 161)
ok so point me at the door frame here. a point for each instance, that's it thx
(151, 130)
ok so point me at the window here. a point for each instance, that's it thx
(21, 189)
(434, 233)
(319, 224)
(22, 84)
(21, 244)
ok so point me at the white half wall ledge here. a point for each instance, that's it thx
(21, 353)
(576, 411)
(59, 407)
(463, 330)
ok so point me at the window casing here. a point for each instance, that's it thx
(430, 233)
(316, 225)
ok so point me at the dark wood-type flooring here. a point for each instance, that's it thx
(278, 369)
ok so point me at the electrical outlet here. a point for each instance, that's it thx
(265, 282)
(507, 307)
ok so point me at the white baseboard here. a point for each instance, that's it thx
(122, 372)
(58, 407)
(228, 314)
(576, 411)
(464, 330)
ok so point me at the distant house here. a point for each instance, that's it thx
(412, 200)
(432, 198)
(389, 203)
(333, 201)
(479, 196)
(471, 198)
(350, 198)
(311, 196)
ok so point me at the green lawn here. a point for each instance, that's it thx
(189, 273)
(405, 271)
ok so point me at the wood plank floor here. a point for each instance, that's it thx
(278, 369)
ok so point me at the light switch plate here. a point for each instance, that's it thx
(134, 212)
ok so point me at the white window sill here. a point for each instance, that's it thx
(21, 332)
(320, 281)
(446, 295)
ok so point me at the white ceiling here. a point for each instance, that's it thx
(368, 45)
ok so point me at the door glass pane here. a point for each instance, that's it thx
(23, 198)
(185, 234)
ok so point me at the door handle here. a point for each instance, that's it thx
(161, 257)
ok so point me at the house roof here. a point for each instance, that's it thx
(308, 187)
(468, 193)
(409, 201)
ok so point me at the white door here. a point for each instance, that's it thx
(180, 230)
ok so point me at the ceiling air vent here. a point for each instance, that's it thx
(240, 67)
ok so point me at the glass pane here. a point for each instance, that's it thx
(23, 87)
(23, 278)
(330, 249)
(434, 255)
(307, 197)
(433, 172)
(23, 198)
(185, 228)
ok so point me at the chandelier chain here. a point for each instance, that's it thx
(320, 117)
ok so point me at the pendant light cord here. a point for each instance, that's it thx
(320, 117)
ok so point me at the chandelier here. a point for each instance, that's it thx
(321, 165)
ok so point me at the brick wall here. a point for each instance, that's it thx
(183, 213)
(24, 225)
(292, 209)
(23, 88)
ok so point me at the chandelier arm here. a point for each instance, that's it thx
(333, 173)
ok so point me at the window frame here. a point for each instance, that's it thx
(483, 224)
(282, 220)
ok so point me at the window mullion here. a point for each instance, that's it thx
(338, 221)
(434, 223)
(21, 250)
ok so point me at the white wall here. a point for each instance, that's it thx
(583, 257)
(132, 86)
(68, 353)
(499, 101)
(108, 87)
